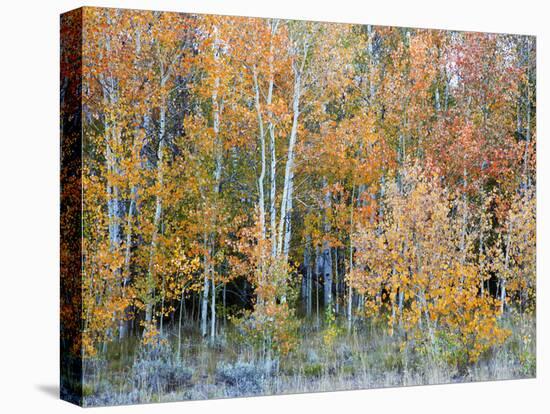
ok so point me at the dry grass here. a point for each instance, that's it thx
(366, 357)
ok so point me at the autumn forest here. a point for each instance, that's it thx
(273, 206)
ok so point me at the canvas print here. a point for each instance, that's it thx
(255, 206)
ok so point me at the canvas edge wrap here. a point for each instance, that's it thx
(71, 206)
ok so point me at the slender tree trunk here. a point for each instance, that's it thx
(528, 119)
(193, 297)
(182, 305)
(327, 275)
(304, 276)
(218, 153)
(446, 92)
(163, 292)
(262, 152)
(506, 267)
(213, 306)
(303, 284)
(273, 193)
(123, 325)
(272, 143)
(288, 227)
(307, 263)
(132, 211)
(463, 251)
(394, 301)
(317, 286)
(224, 304)
(109, 87)
(370, 50)
(286, 202)
(158, 203)
(205, 290)
(327, 253)
(360, 304)
(336, 282)
(115, 209)
(481, 247)
(350, 290)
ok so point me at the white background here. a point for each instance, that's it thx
(29, 168)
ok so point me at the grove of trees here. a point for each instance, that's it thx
(271, 177)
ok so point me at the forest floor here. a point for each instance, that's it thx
(365, 357)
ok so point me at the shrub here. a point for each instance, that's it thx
(244, 378)
(271, 328)
(157, 370)
(109, 397)
(313, 370)
(331, 331)
(344, 355)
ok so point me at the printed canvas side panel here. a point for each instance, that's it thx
(71, 206)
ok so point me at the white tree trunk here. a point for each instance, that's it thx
(506, 267)
(288, 227)
(182, 305)
(158, 203)
(327, 255)
(307, 263)
(218, 154)
(272, 143)
(528, 118)
(350, 290)
(205, 290)
(336, 282)
(261, 178)
(213, 306)
(289, 168)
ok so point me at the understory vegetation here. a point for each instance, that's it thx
(366, 357)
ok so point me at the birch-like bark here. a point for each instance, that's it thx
(327, 254)
(336, 282)
(528, 118)
(162, 298)
(370, 50)
(261, 178)
(350, 290)
(114, 209)
(213, 306)
(205, 290)
(132, 211)
(289, 168)
(109, 87)
(224, 302)
(218, 153)
(317, 286)
(307, 263)
(272, 143)
(114, 206)
(158, 203)
(286, 202)
(506, 266)
(481, 244)
(288, 221)
(463, 226)
(182, 306)
(126, 278)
